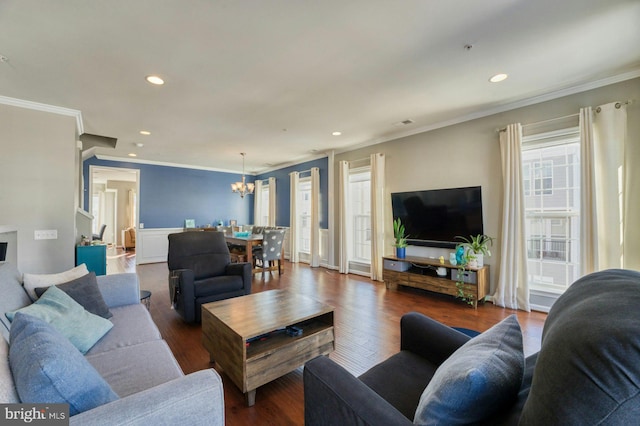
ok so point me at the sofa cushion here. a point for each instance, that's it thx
(132, 369)
(13, 297)
(480, 378)
(83, 290)
(8, 393)
(55, 372)
(31, 281)
(588, 370)
(123, 334)
(400, 380)
(55, 307)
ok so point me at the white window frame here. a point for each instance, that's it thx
(264, 207)
(548, 251)
(356, 175)
(304, 232)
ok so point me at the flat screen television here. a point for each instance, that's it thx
(434, 218)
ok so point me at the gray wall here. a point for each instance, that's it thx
(38, 171)
(468, 154)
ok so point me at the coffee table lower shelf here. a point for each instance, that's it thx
(252, 359)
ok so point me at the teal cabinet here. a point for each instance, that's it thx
(95, 257)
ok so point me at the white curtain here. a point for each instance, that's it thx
(315, 217)
(272, 201)
(513, 289)
(377, 215)
(294, 178)
(344, 240)
(257, 203)
(603, 167)
(588, 224)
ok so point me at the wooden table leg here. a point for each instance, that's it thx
(249, 250)
(251, 398)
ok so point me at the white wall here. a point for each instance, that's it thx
(468, 154)
(38, 172)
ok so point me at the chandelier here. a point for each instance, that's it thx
(242, 187)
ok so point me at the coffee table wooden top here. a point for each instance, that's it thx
(260, 313)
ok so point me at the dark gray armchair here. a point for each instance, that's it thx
(586, 373)
(200, 271)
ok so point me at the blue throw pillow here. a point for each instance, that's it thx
(67, 316)
(477, 380)
(47, 368)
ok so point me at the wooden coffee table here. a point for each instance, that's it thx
(246, 336)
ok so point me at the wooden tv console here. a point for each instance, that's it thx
(422, 274)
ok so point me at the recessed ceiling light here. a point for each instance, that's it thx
(154, 79)
(139, 144)
(145, 132)
(131, 154)
(336, 133)
(498, 78)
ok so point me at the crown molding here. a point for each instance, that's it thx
(167, 164)
(36, 106)
(499, 109)
(298, 160)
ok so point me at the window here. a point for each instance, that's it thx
(264, 207)
(304, 216)
(551, 177)
(360, 208)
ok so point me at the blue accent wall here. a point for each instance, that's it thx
(169, 195)
(283, 190)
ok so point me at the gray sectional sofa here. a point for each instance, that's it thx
(132, 358)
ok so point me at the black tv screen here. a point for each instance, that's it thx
(434, 218)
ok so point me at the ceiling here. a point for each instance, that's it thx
(275, 78)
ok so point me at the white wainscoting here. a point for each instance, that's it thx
(152, 244)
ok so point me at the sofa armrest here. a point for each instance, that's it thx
(119, 289)
(244, 270)
(333, 396)
(195, 399)
(429, 338)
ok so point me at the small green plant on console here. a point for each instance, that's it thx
(477, 245)
(463, 294)
(398, 234)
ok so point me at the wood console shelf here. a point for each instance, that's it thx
(420, 272)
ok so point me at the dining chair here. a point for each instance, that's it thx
(271, 250)
(100, 235)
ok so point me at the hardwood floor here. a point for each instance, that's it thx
(367, 318)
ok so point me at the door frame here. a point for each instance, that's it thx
(93, 168)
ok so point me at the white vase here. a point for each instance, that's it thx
(480, 259)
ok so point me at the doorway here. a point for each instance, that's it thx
(113, 200)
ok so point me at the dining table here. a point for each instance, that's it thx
(249, 242)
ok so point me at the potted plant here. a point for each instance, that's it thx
(477, 246)
(462, 291)
(400, 238)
